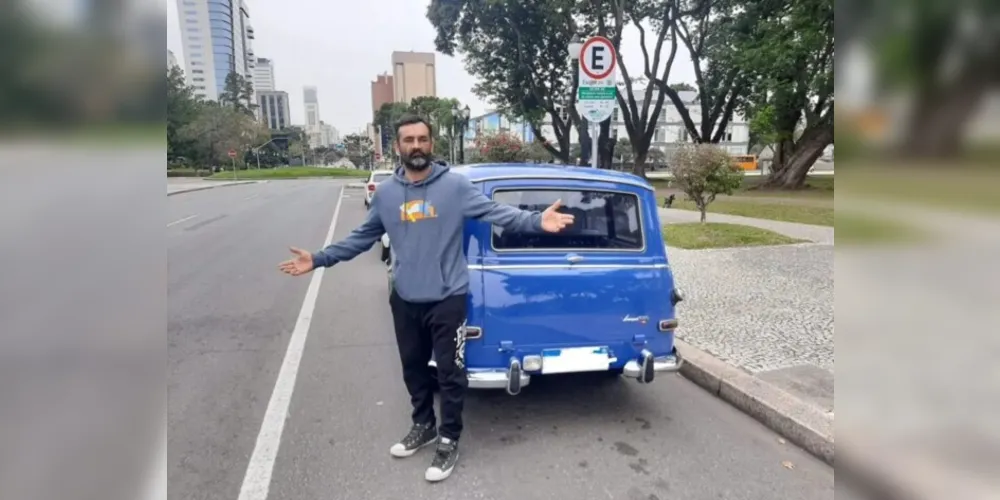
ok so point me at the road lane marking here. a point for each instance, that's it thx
(257, 480)
(181, 220)
(251, 196)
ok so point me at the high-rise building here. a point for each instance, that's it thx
(382, 93)
(216, 36)
(413, 75)
(313, 127)
(263, 75)
(274, 109)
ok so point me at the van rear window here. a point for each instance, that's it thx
(377, 178)
(603, 220)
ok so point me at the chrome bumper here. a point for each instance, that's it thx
(667, 364)
(493, 379)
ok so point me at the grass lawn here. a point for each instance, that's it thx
(956, 186)
(811, 205)
(853, 229)
(291, 173)
(696, 236)
(783, 211)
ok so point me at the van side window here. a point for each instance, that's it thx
(603, 220)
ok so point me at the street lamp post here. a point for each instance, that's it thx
(461, 134)
(257, 151)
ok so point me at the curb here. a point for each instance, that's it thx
(801, 423)
(202, 188)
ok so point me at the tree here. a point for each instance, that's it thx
(786, 50)
(358, 148)
(183, 107)
(518, 52)
(704, 171)
(238, 93)
(535, 152)
(218, 129)
(682, 87)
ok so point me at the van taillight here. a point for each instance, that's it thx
(371, 187)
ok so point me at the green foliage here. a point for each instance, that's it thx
(218, 129)
(359, 149)
(518, 52)
(183, 107)
(238, 93)
(704, 171)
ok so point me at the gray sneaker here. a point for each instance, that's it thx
(418, 437)
(445, 458)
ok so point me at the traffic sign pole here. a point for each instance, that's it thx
(596, 96)
(232, 155)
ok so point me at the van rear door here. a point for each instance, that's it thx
(599, 282)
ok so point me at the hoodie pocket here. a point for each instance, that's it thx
(420, 282)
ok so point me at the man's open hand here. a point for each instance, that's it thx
(301, 264)
(553, 221)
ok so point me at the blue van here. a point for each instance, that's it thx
(597, 297)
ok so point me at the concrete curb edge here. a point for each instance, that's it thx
(801, 423)
(202, 188)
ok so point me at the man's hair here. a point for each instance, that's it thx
(410, 119)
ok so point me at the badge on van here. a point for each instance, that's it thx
(635, 319)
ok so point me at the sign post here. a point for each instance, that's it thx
(232, 155)
(596, 95)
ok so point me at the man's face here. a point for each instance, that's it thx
(414, 145)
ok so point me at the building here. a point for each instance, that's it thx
(263, 75)
(171, 60)
(328, 134)
(382, 93)
(310, 100)
(495, 122)
(413, 75)
(216, 37)
(274, 109)
(670, 130)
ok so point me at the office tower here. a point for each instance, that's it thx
(263, 75)
(274, 109)
(216, 37)
(413, 75)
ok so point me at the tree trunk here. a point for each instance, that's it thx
(639, 166)
(795, 162)
(704, 214)
(939, 121)
(584, 133)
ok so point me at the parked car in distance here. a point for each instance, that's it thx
(597, 297)
(374, 178)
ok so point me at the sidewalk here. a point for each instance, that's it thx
(188, 185)
(756, 327)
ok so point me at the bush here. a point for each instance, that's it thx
(188, 172)
(501, 148)
(704, 171)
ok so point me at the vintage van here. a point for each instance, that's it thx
(597, 297)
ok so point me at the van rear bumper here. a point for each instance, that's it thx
(513, 378)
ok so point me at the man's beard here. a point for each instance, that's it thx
(417, 161)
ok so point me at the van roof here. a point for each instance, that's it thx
(488, 171)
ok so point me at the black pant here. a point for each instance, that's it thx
(438, 327)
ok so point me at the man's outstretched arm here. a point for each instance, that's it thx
(360, 240)
(477, 205)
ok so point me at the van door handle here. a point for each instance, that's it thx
(573, 258)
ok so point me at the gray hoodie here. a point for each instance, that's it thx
(425, 221)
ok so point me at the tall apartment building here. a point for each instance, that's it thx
(274, 109)
(216, 36)
(413, 75)
(313, 126)
(382, 93)
(263, 75)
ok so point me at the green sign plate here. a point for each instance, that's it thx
(596, 93)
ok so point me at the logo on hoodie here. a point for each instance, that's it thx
(413, 211)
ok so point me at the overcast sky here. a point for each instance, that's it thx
(340, 46)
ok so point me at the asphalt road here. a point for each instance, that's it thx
(231, 316)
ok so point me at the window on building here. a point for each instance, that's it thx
(198, 71)
(614, 115)
(604, 220)
(198, 79)
(659, 135)
(682, 135)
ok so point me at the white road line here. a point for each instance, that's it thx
(181, 220)
(251, 196)
(257, 480)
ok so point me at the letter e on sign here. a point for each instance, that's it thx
(597, 58)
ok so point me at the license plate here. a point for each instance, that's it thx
(575, 359)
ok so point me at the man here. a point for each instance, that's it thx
(423, 209)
